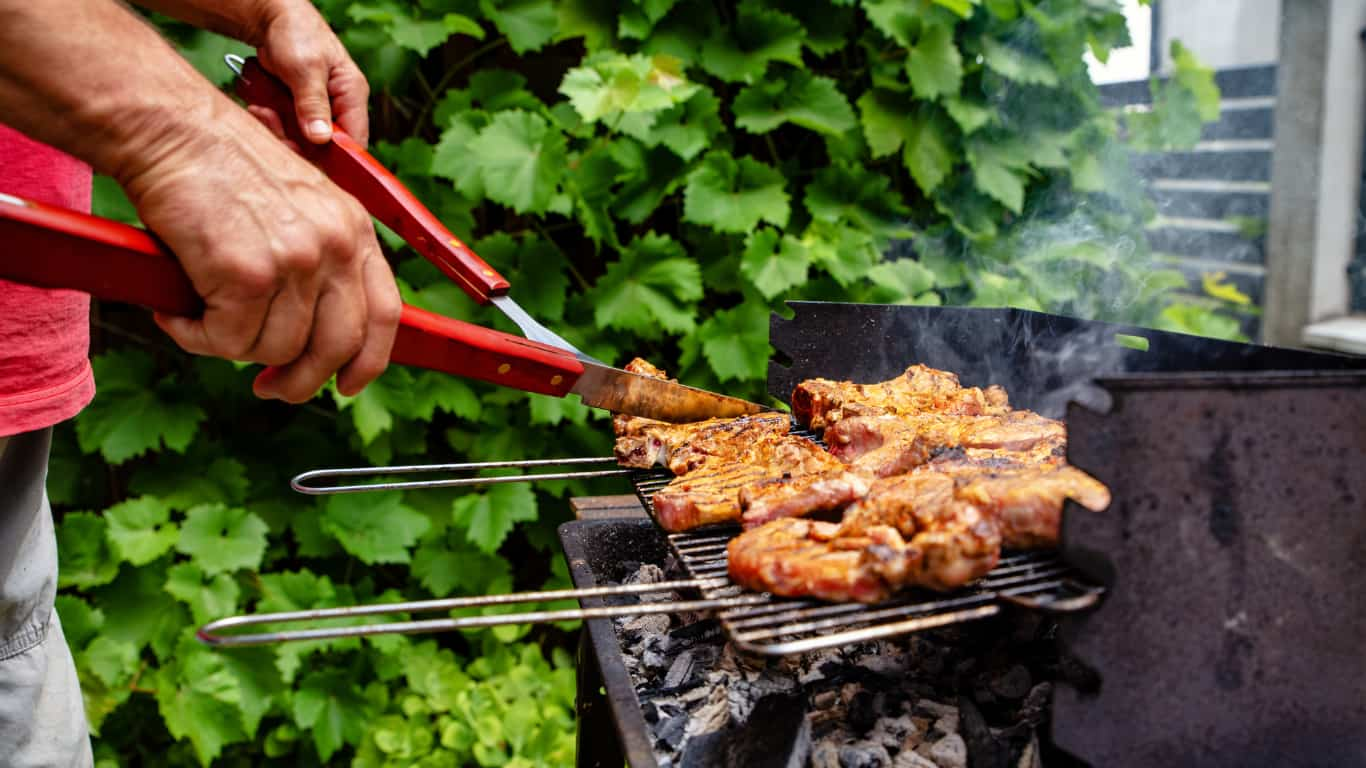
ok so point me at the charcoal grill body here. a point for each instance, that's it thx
(1235, 551)
(1234, 629)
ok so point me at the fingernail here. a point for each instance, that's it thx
(320, 129)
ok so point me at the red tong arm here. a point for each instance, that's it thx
(353, 169)
(57, 248)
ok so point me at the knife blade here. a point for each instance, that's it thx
(613, 389)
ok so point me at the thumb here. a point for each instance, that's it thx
(313, 106)
(188, 333)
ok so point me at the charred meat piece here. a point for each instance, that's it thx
(909, 530)
(644, 443)
(1028, 502)
(802, 558)
(710, 491)
(889, 444)
(801, 495)
(821, 403)
(684, 447)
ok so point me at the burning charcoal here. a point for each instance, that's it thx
(679, 670)
(893, 732)
(864, 754)
(824, 699)
(986, 750)
(648, 573)
(911, 759)
(933, 707)
(1014, 683)
(825, 755)
(650, 712)
(672, 731)
(776, 735)
(950, 752)
(712, 716)
(863, 711)
(654, 624)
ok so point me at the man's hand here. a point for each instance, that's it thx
(297, 46)
(286, 262)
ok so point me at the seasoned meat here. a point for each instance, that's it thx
(684, 447)
(709, 489)
(801, 558)
(887, 445)
(909, 530)
(1028, 502)
(822, 403)
(802, 494)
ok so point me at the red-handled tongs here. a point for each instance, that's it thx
(57, 248)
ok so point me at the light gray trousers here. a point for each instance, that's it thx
(42, 719)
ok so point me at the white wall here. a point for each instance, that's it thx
(1222, 33)
(1340, 173)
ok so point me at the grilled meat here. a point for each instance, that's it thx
(801, 495)
(709, 489)
(909, 530)
(804, 558)
(887, 444)
(822, 403)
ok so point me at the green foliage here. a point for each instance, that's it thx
(655, 177)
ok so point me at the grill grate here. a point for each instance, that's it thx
(776, 626)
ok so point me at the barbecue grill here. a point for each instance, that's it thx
(1265, 427)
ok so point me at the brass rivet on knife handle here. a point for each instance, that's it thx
(504, 368)
(555, 380)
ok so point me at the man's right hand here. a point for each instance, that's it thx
(286, 262)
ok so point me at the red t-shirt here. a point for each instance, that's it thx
(45, 374)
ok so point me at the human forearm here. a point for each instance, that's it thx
(244, 20)
(91, 78)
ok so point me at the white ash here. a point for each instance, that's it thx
(883, 704)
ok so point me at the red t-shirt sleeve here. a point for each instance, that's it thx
(45, 374)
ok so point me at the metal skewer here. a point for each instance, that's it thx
(305, 483)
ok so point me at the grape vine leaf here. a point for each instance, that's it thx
(198, 477)
(652, 286)
(521, 158)
(735, 342)
(138, 610)
(905, 278)
(222, 538)
(811, 101)
(87, 559)
(969, 114)
(638, 19)
(1198, 79)
(774, 262)
(113, 661)
(887, 119)
(200, 699)
(844, 253)
(375, 527)
(490, 516)
(454, 157)
(209, 597)
(686, 129)
(999, 170)
(934, 64)
(496, 89)
(846, 193)
(731, 195)
(607, 86)
(329, 704)
(928, 154)
(527, 24)
(897, 19)
(140, 529)
(443, 565)
(1015, 64)
(80, 620)
(135, 411)
(741, 51)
